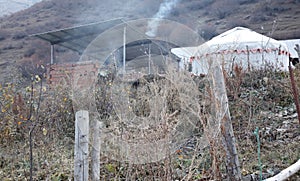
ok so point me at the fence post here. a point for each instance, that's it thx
(222, 116)
(81, 153)
(96, 145)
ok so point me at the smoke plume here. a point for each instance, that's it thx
(164, 10)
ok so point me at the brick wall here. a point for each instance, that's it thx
(73, 74)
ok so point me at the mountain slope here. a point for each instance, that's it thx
(279, 19)
(11, 6)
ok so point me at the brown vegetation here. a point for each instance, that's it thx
(260, 99)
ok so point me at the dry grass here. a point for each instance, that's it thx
(263, 100)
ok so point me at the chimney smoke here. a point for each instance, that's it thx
(164, 10)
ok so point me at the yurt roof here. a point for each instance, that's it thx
(238, 39)
(243, 38)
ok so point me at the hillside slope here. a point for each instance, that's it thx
(278, 19)
(8, 7)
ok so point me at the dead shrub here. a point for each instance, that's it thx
(19, 35)
(29, 52)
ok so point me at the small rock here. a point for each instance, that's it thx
(286, 122)
(294, 115)
(266, 80)
(291, 110)
(270, 171)
(295, 120)
(284, 113)
(281, 130)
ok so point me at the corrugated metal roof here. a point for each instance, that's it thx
(79, 37)
(104, 41)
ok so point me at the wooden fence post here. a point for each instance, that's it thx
(222, 115)
(95, 152)
(81, 153)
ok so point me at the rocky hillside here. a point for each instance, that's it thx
(278, 19)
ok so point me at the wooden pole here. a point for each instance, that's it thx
(52, 55)
(248, 57)
(81, 153)
(124, 50)
(149, 58)
(95, 152)
(222, 116)
(295, 90)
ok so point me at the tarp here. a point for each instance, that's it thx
(185, 52)
(243, 47)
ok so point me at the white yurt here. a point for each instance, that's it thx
(239, 46)
(186, 54)
(291, 44)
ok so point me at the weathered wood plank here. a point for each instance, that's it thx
(81, 154)
(96, 146)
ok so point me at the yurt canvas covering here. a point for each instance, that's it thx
(239, 46)
(291, 44)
